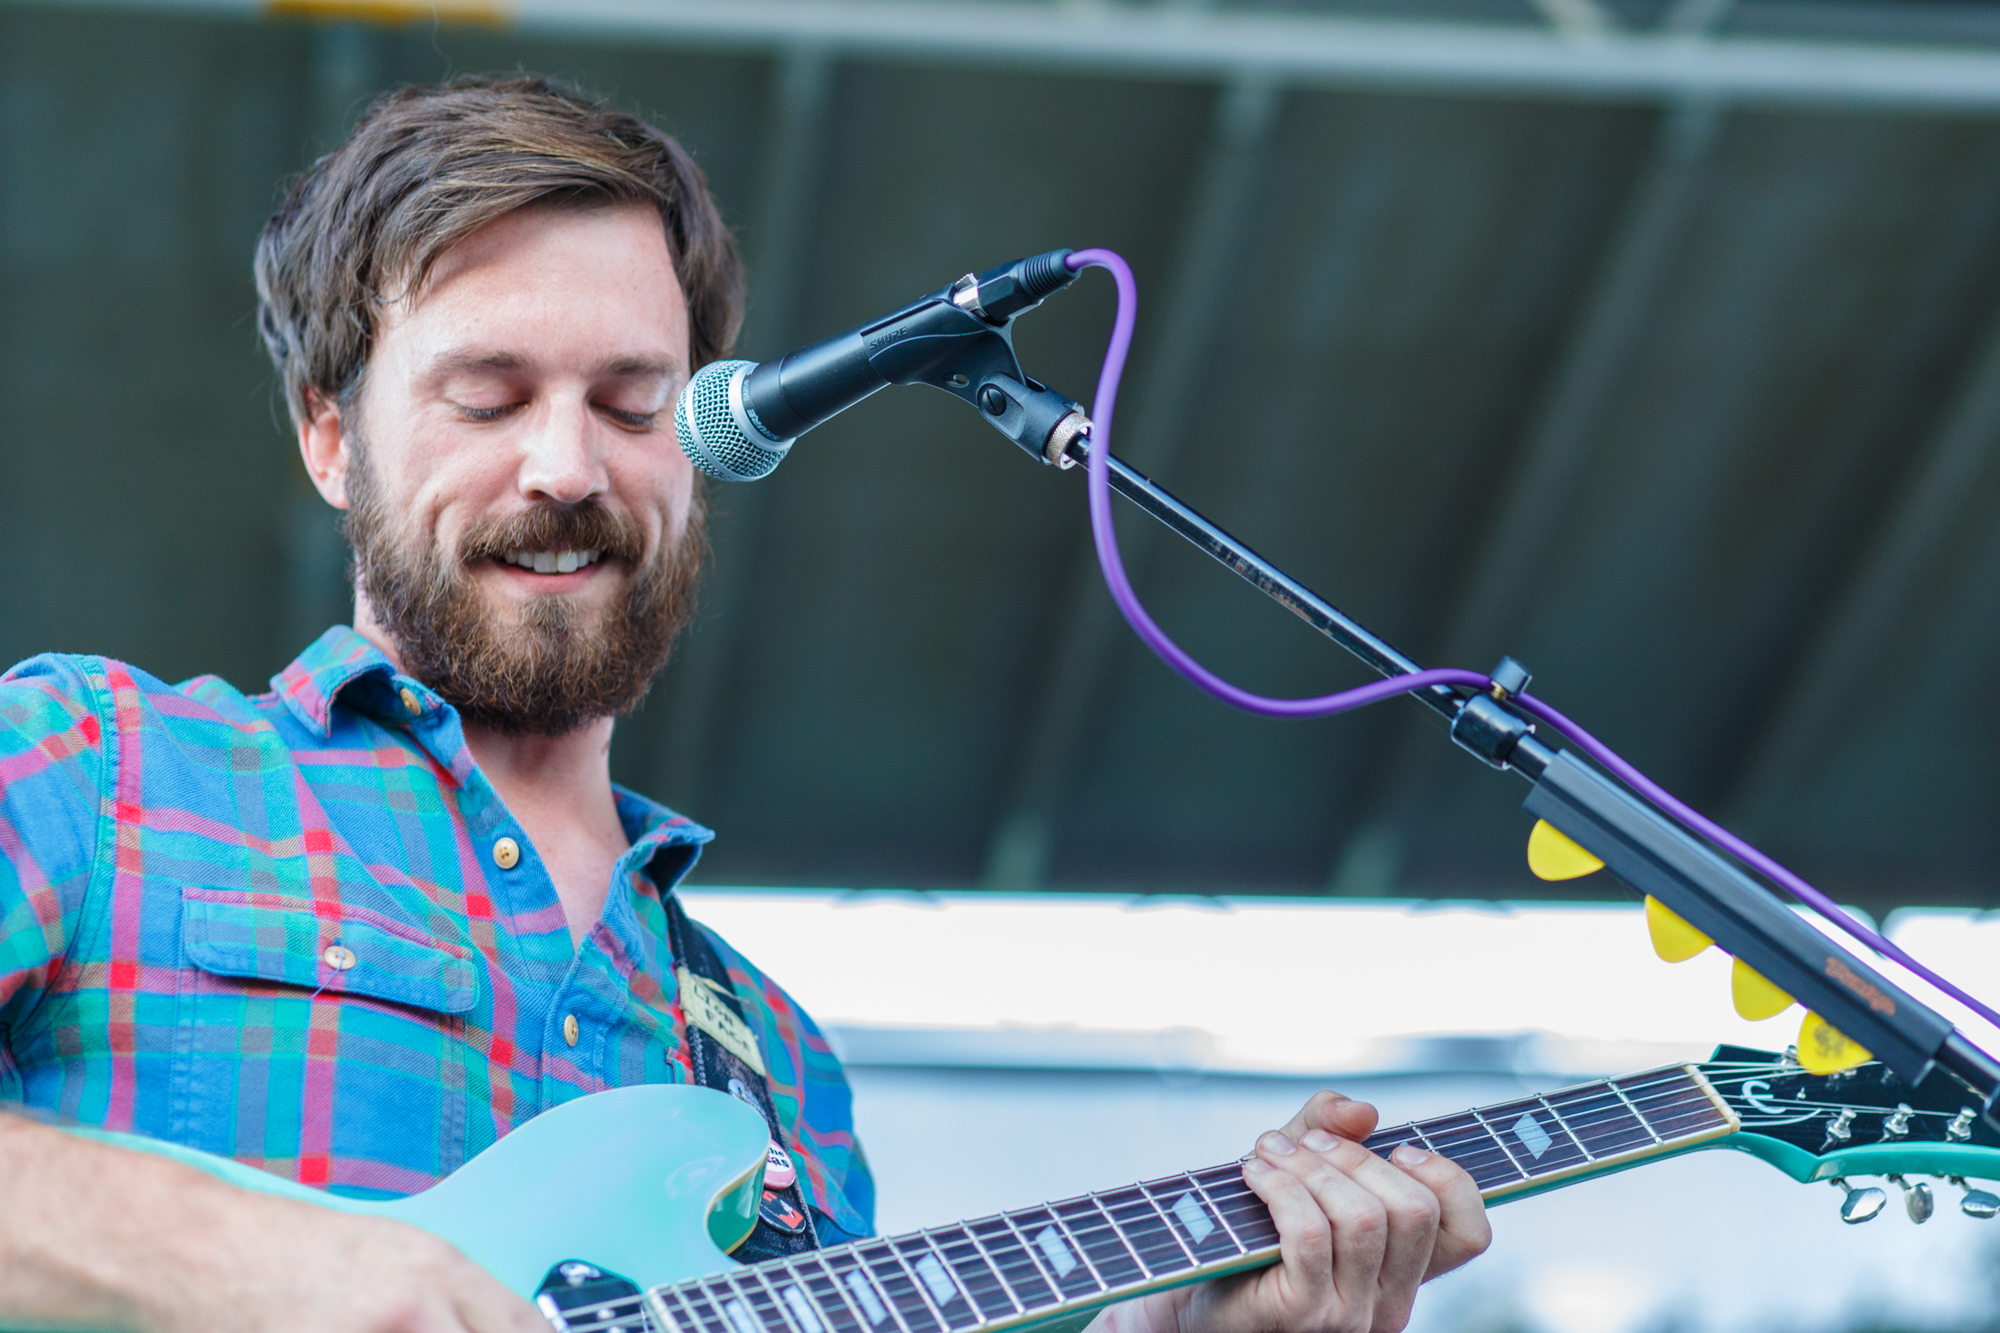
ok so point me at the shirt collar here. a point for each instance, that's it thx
(316, 677)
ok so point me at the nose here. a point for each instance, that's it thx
(562, 458)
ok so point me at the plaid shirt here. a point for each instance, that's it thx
(178, 863)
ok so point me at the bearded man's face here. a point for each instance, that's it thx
(527, 534)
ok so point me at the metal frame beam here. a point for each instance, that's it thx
(1186, 41)
(1226, 197)
(711, 651)
(1861, 633)
(1561, 442)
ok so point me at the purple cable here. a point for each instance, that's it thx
(1113, 566)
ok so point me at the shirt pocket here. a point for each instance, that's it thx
(266, 937)
(352, 1078)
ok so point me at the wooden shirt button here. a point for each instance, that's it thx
(506, 853)
(571, 1029)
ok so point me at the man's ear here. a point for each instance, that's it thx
(324, 449)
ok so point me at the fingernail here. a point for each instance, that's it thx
(1277, 1144)
(1319, 1140)
(1257, 1166)
(1409, 1155)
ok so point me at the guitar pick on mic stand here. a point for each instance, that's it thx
(737, 420)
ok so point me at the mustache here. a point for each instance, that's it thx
(587, 526)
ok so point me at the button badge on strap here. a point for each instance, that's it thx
(779, 1172)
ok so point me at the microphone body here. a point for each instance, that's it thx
(738, 419)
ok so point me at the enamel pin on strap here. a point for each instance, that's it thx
(704, 1008)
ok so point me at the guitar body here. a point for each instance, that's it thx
(656, 1183)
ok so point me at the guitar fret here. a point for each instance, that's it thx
(987, 1278)
(1567, 1131)
(873, 1304)
(1187, 1210)
(1139, 1224)
(1512, 1160)
(1545, 1153)
(893, 1277)
(763, 1302)
(1015, 1262)
(1246, 1215)
(797, 1300)
(728, 1305)
(935, 1281)
(688, 1320)
(708, 1321)
(1029, 1265)
(1068, 1264)
(1466, 1141)
(1093, 1228)
(1603, 1123)
(1620, 1094)
(823, 1287)
(1236, 1238)
(743, 1310)
(859, 1280)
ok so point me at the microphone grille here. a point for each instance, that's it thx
(717, 430)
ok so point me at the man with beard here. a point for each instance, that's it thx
(355, 929)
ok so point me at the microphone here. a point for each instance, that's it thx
(738, 419)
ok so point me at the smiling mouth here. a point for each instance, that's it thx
(552, 562)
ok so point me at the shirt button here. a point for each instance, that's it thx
(410, 701)
(506, 853)
(571, 1029)
(338, 957)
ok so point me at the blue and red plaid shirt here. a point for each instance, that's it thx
(178, 863)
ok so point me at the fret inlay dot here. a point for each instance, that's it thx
(802, 1310)
(864, 1295)
(740, 1318)
(1532, 1136)
(1191, 1215)
(1050, 1242)
(943, 1290)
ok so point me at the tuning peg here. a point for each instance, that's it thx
(1859, 1205)
(1981, 1204)
(1918, 1201)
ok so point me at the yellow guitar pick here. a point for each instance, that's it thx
(1755, 997)
(1825, 1049)
(1552, 855)
(1673, 939)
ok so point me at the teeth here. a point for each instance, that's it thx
(553, 562)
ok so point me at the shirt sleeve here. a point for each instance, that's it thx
(53, 765)
(812, 1097)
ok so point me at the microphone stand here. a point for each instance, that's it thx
(1638, 844)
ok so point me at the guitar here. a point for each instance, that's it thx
(615, 1212)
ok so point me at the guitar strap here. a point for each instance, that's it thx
(725, 1057)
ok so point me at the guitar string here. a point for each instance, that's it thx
(1659, 1089)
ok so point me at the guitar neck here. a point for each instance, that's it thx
(1065, 1258)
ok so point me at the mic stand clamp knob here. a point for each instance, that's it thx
(1489, 729)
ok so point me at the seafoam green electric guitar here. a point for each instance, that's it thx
(616, 1212)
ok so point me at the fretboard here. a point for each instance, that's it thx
(1061, 1258)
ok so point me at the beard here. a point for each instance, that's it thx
(548, 666)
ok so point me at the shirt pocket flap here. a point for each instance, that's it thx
(267, 937)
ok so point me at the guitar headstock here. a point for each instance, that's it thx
(1860, 1121)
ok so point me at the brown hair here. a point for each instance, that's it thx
(429, 165)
